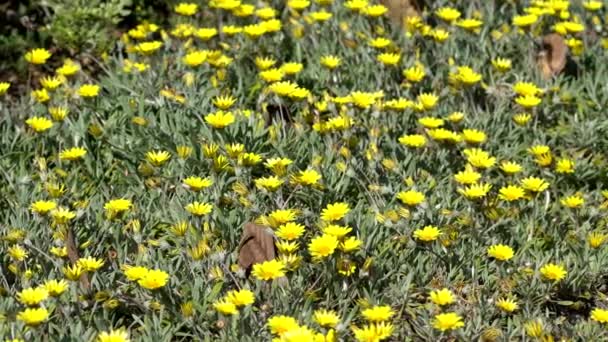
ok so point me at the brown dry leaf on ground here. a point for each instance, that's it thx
(398, 10)
(553, 55)
(256, 246)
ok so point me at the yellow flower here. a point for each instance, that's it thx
(379, 42)
(41, 95)
(240, 298)
(467, 176)
(199, 208)
(428, 100)
(264, 63)
(510, 168)
(186, 9)
(39, 124)
(32, 296)
(596, 239)
(68, 68)
(413, 140)
(269, 270)
(326, 318)
(320, 15)
(153, 279)
(73, 273)
(290, 231)
(62, 215)
(465, 75)
(528, 101)
(206, 33)
(442, 297)
(255, 31)
(56, 287)
(272, 75)
(350, 244)
(374, 10)
(526, 89)
(291, 68)
(448, 14)
(195, 58)
(469, 24)
(334, 211)
(447, 321)
(522, 118)
(356, 5)
(307, 177)
(147, 48)
(475, 191)
(281, 324)
(593, 5)
(197, 183)
(157, 158)
(389, 58)
(220, 119)
(473, 136)
(17, 253)
(88, 90)
(511, 193)
(427, 234)
(134, 273)
(33, 317)
(270, 183)
(330, 62)
(599, 315)
(51, 83)
(119, 335)
(502, 64)
(564, 165)
(90, 264)
(37, 56)
(524, 20)
(553, 272)
(411, 197)
(298, 4)
(440, 35)
(322, 246)
(225, 307)
(507, 305)
(500, 252)
(414, 74)
(4, 87)
(573, 202)
(479, 158)
(379, 313)
(43, 207)
(73, 153)
(430, 122)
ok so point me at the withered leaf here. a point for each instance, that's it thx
(256, 246)
(398, 10)
(553, 55)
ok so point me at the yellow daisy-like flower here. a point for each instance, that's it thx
(473, 136)
(119, 335)
(507, 305)
(448, 14)
(225, 307)
(553, 272)
(186, 9)
(511, 193)
(413, 140)
(56, 287)
(475, 191)
(197, 183)
(17, 253)
(502, 64)
(158, 158)
(34, 316)
(134, 273)
(37, 56)
(240, 298)
(51, 83)
(510, 168)
(448, 321)
(330, 62)
(270, 183)
(528, 101)
(335, 211)
(326, 318)
(414, 74)
(39, 124)
(72, 154)
(427, 234)
(411, 197)
(195, 58)
(90, 264)
(467, 176)
(599, 315)
(88, 90)
(534, 184)
(281, 324)
(269, 270)
(573, 202)
(290, 231)
(62, 215)
(41, 95)
(153, 279)
(524, 20)
(379, 313)
(564, 165)
(526, 89)
(389, 58)
(500, 252)
(322, 246)
(442, 297)
(199, 208)
(220, 119)
(32, 296)
(43, 207)
(4, 86)
(307, 177)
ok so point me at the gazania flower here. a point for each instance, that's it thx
(427, 234)
(334, 211)
(199, 208)
(507, 305)
(448, 321)
(33, 316)
(220, 119)
(378, 313)
(500, 252)
(37, 56)
(442, 297)
(323, 246)
(153, 279)
(88, 90)
(268, 270)
(158, 158)
(73, 154)
(112, 335)
(553, 272)
(39, 124)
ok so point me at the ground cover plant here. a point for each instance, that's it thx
(429, 174)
